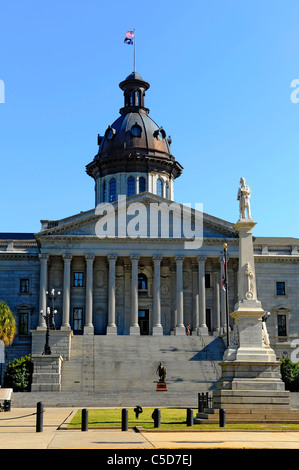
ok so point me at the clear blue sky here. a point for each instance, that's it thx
(220, 74)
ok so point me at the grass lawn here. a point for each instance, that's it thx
(171, 419)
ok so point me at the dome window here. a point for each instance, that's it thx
(112, 190)
(160, 134)
(131, 186)
(159, 187)
(142, 184)
(105, 191)
(136, 130)
(110, 133)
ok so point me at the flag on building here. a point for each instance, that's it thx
(223, 273)
(129, 37)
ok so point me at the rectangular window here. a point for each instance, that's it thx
(23, 323)
(282, 325)
(78, 279)
(24, 286)
(78, 319)
(208, 280)
(280, 288)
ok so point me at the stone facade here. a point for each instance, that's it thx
(151, 282)
(185, 290)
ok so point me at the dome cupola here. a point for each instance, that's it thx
(135, 148)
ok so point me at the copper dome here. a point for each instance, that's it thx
(134, 142)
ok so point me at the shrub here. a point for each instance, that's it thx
(18, 374)
(290, 374)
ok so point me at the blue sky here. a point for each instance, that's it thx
(220, 74)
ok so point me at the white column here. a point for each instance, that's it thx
(157, 327)
(180, 328)
(203, 329)
(111, 328)
(134, 328)
(43, 289)
(216, 284)
(67, 259)
(88, 328)
(195, 305)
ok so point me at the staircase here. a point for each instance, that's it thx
(121, 371)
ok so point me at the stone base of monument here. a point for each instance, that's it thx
(161, 387)
(250, 392)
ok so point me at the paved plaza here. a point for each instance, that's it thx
(18, 431)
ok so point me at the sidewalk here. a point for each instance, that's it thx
(18, 431)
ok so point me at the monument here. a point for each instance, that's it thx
(251, 378)
(161, 385)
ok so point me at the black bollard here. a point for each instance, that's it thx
(39, 417)
(222, 418)
(84, 420)
(157, 418)
(189, 417)
(124, 419)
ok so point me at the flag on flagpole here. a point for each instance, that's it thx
(129, 37)
(223, 273)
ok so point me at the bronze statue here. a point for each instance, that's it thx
(162, 373)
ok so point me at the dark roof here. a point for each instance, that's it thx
(16, 236)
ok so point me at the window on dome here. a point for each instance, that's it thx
(159, 187)
(105, 192)
(131, 186)
(142, 186)
(132, 98)
(112, 190)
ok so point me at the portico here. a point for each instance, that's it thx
(118, 291)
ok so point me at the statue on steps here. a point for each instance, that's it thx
(162, 373)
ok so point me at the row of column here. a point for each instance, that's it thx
(199, 306)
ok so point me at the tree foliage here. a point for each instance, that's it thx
(7, 324)
(290, 374)
(18, 374)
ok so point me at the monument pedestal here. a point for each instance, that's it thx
(161, 387)
(251, 376)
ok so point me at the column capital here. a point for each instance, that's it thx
(89, 258)
(67, 257)
(112, 258)
(157, 258)
(135, 257)
(43, 257)
(179, 258)
(201, 259)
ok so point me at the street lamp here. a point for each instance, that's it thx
(49, 318)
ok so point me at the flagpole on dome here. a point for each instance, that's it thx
(134, 51)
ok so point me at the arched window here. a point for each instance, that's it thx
(131, 186)
(159, 187)
(112, 190)
(142, 281)
(105, 199)
(141, 184)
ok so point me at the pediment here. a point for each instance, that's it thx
(143, 210)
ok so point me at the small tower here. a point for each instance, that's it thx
(134, 153)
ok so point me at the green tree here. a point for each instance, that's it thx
(290, 374)
(7, 324)
(18, 374)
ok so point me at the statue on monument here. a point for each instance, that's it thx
(244, 194)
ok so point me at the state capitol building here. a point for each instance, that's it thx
(146, 283)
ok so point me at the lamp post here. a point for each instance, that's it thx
(49, 318)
